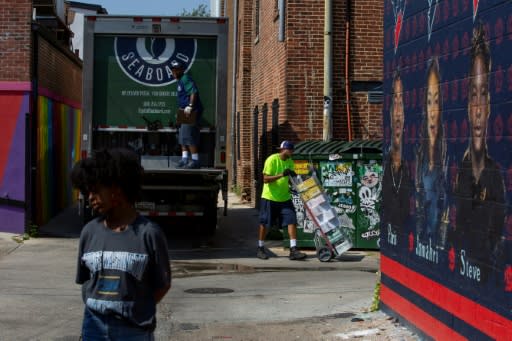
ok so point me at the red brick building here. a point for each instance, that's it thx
(279, 77)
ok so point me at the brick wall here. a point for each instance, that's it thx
(366, 65)
(60, 71)
(243, 100)
(292, 72)
(15, 40)
(366, 118)
(305, 59)
(268, 71)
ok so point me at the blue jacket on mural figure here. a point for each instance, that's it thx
(479, 188)
(431, 197)
(396, 180)
(188, 101)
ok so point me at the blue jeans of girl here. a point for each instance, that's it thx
(98, 327)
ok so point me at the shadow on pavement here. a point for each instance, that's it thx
(66, 224)
(235, 232)
(235, 238)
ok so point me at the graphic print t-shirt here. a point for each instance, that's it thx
(120, 271)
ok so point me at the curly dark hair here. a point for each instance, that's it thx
(480, 47)
(113, 167)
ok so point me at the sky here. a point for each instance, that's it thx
(147, 7)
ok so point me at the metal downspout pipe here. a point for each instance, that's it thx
(215, 8)
(347, 69)
(327, 117)
(281, 8)
(233, 92)
(219, 9)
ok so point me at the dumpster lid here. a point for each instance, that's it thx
(322, 149)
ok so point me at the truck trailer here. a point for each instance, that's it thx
(129, 101)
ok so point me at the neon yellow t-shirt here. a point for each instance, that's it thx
(276, 190)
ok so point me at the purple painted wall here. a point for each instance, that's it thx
(12, 158)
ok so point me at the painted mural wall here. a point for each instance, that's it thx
(58, 148)
(14, 101)
(446, 231)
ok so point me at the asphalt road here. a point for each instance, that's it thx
(219, 290)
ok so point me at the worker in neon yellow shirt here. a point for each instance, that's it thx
(276, 200)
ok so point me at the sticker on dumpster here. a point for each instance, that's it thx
(303, 220)
(370, 191)
(336, 174)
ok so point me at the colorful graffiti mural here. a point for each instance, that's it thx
(58, 148)
(58, 145)
(337, 179)
(447, 194)
(14, 105)
(369, 187)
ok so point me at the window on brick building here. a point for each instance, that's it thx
(373, 90)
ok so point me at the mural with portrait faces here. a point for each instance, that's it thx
(446, 227)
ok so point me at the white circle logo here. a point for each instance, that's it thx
(148, 60)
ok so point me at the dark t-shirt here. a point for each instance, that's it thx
(120, 271)
(480, 212)
(187, 87)
(395, 191)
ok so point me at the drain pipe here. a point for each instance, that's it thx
(215, 8)
(233, 91)
(327, 123)
(220, 12)
(281, 8)
(347, 63)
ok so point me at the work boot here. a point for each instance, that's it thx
(193, 164)
(261, 254)
(296, 254)
(183, 162)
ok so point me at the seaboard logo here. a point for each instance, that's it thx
(148, 60)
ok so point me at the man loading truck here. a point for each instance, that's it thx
(190, 102)
(130, 100)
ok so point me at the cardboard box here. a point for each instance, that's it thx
(183, 118)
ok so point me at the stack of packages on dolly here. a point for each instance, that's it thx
(330, 237)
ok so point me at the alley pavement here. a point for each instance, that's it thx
(39, 300)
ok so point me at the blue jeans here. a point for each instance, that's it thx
(97, 327)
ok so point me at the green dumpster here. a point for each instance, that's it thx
(351, 174)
